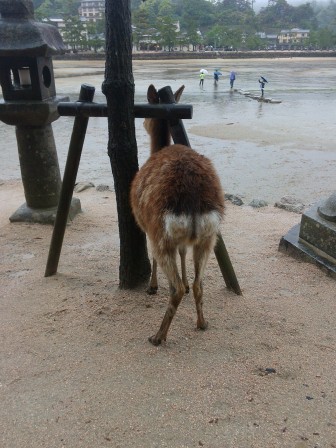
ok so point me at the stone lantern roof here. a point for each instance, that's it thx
(21, 35)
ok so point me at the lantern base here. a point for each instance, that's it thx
(313, 240)
(43, 215)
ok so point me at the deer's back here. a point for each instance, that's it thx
(178, 183)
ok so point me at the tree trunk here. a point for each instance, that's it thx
(118, 87)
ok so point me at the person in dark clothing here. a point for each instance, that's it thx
(262, 82)
(232, 79)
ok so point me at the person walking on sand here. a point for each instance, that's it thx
(217, 74)
(232, 79)
(262, 82)
(202, 76)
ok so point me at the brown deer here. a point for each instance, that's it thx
(177, 199)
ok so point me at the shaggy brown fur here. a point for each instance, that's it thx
(177, 199)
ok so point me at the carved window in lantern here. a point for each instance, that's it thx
(24, 76)
(27, 78)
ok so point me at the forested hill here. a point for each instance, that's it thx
(218, 23)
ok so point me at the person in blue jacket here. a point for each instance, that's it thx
(232, 79)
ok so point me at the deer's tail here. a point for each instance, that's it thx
(189, 228)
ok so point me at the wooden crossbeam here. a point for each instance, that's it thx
(82, 110)
(163, 111)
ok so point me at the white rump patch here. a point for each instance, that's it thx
(178, 227)
(208, 224)
(182, 227)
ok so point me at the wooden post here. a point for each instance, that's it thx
(177, 129)
(69, 180)
(226, 267)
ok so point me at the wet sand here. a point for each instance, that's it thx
(261, 150)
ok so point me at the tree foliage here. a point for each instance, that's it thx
(55, 8)
(74, 35)
(281, 15)
(220, 23)
(326, 16)
(166, 24)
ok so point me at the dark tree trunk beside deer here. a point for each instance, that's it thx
(118, 87)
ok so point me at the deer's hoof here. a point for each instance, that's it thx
(152, 290)
(202, 325)
(155, 340)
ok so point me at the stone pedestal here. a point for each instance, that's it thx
(314, 239)
(43, 215)
(40, 171)
(30, 104)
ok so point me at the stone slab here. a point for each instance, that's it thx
(294, 246)
(43, 216)
(318, 232)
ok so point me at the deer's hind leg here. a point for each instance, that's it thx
(153, 284)
(167, 261)
(201, 253)
(183, 254)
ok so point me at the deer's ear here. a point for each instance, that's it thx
(152, 95)
(178, 94)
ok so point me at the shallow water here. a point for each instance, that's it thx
(260, 150)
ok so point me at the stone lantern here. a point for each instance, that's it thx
(30, 104)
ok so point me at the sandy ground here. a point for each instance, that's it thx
(76, 369)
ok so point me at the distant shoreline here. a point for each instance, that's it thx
(165, 55)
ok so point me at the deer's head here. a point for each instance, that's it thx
(153, 98)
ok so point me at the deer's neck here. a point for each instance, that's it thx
(160, 135)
